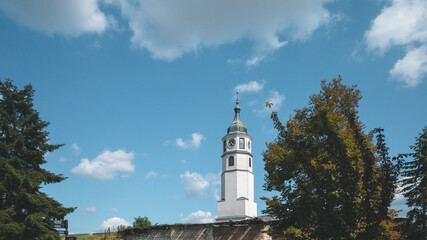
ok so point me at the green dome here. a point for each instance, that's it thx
(237, 124)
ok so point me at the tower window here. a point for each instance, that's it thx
(231, 161)
(242, 143)
(249, 145)
(223, 146)
(250, 162)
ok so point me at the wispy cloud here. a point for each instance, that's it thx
(275, 98)
(76, 148)
(92, 209)
(151, 174)
(254, 61)
(252, 86)
(114, 210)
(106, 165)
(234, 61)
(194, 142)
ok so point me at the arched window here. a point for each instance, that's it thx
(231, 161)
(250, 162)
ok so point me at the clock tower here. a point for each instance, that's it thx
(237, 178)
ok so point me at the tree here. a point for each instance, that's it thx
(328, 171)
(414, 186)
(141, 222)
(23, 145)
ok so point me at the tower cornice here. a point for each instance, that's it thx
(235, 134)
(237, 151)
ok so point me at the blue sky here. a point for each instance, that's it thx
(142, 91)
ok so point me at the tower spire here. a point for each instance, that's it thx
(237, 124)
(237, 108)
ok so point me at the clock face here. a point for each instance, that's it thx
(231, 143)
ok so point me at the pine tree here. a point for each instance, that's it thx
(23, 145)
(327, 171)
(389, 172)
(414, 186)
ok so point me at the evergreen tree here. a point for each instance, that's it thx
(414, 186)
(23, 145)
(389, 172)
(327, 171)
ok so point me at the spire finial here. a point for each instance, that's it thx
(237, 108)
(237, 124)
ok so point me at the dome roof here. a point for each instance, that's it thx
(237, 124)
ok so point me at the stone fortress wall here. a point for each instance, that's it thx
(253, 229)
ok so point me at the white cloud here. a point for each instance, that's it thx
(113, 222)
(234, 61)
(76, 148)
(91, 209)
(402, 23)
(196, 140)
(114, 210)
(411, 68)
(214, 182)
(106, 165)
(276, 99)
(198, 217)
(252, 86)
(168, 29)
(196, 184)
(65, 17)
(151, 174)
(254, 61)
(399, 202)
(183, 161)
(62, 159)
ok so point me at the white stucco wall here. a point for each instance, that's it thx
(237, 181)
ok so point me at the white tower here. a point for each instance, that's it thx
(237, 178)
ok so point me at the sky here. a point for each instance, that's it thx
(142, 91)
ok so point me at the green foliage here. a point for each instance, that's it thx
(121, 228)
(414, 186)
(111, 236)
(141, 222)
(23, 145)
(330, 176)
(137, 227)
